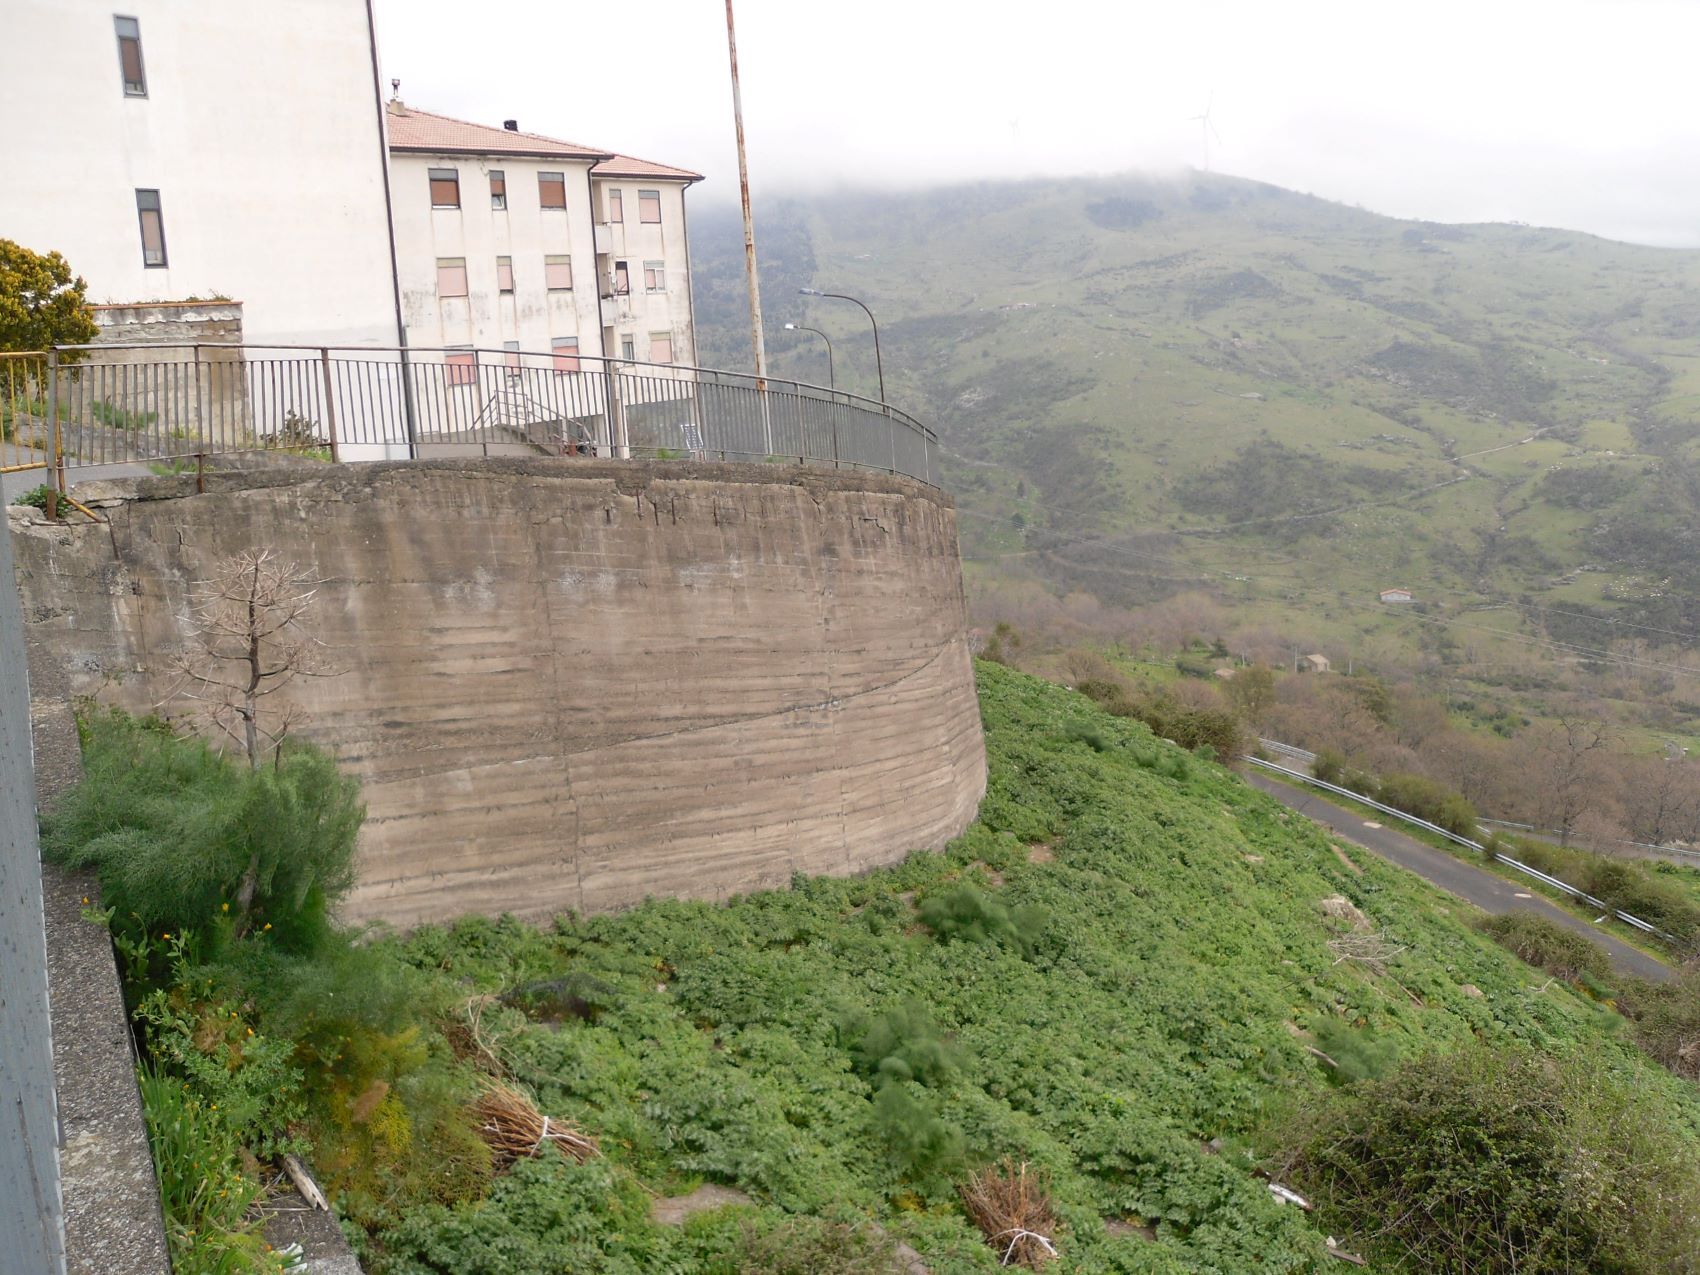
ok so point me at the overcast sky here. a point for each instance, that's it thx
(1575, 113)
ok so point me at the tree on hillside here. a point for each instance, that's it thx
(1566, 765)
(42, 304)
(1252, 690)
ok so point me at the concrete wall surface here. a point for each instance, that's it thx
(32, 1217)
(572, 684)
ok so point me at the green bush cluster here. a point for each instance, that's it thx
(1505, 1159)
(171, 827)
(1626, 884)
(1196, 729)
(1414, 794)
(965, 914)
(1547, 945)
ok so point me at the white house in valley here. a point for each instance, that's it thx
(180, 151)
(513, 242)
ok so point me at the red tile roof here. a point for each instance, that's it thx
(627, 166)
(411, 129)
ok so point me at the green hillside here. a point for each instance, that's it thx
(1135, 974)
(1128, 956)
(1219, 383)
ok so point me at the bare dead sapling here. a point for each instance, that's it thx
(250, 639)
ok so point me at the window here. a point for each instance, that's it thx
(498, 189)
(660, 347)
(451, 276)
(552, 190)
(628, 350)
(558, 273)
(445, 188)
(655, 276)
(153, 228)
(460, 368)
(622, 280)
(616, 207)
(504, 274)
(510, 357)
(130, 57)
(565, 349)
(649, 207)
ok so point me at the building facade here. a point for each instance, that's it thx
(513, 243)
(177, 151)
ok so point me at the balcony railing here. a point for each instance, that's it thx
(172, 407)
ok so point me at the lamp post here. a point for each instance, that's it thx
(839, 296)
(831, 377)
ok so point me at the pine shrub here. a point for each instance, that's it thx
(171, 826)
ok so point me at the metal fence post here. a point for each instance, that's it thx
(330, 401)
(53, 421)
(203, 414)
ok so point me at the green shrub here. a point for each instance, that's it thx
(1630, 887)
(969, 915)
(1547, 945)
(1499, 1160)
(1329, 766)
(248, 1077)
(1356, 1052)
(1667, 1020)
(204, 1194)
(170, 826)
(1429, 799)
(1194, 728)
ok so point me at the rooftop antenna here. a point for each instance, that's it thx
(1206, 129)
(395, 88)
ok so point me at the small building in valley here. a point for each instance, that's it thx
(1396, 595)
(1313, 663)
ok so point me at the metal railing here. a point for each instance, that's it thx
(172, 407)
(1675, 854)
(1563, 887)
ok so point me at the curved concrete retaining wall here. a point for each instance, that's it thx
(572, 685)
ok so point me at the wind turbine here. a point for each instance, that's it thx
(1206, 129)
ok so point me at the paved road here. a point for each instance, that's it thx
(1488, 892)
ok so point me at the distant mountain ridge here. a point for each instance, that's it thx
(1227, 373)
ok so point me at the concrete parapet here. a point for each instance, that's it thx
(572, 684)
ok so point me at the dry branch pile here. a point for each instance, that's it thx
(513, 1127)
(1011, 1204)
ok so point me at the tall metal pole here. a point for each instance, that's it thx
(879, 363)
(757, 338)
(831, 376)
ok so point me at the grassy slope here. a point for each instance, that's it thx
(1388, 356)
(1157, 1010)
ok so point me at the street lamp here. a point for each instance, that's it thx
(831, 379)
(839, 296)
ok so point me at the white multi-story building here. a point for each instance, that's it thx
(175, 150)
(516, 242)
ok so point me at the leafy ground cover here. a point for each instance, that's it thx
(1113, 976)
(1128, 976)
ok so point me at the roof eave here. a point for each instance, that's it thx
(685, 179)
(591, 157)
